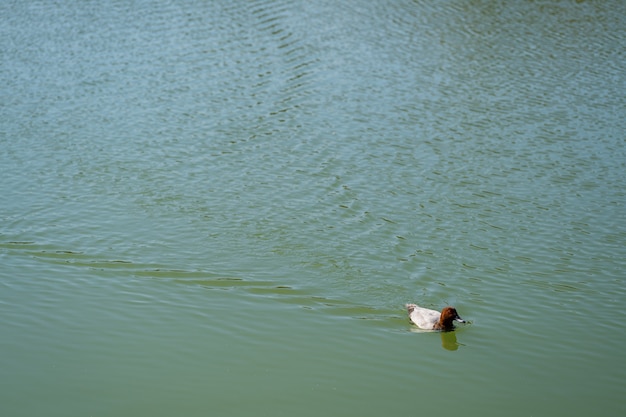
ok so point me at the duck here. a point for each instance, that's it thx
(428, 319)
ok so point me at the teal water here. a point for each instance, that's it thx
(222, 207)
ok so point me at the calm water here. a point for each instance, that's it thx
(221, 207)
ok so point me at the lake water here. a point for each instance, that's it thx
(221, 207)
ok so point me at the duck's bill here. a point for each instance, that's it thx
(460, 320)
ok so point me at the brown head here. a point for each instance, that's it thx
(448, 315)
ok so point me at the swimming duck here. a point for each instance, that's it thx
(428, 319)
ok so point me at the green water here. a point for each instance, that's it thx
(221, 208)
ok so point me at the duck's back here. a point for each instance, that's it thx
(423, 318)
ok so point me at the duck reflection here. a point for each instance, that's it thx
(448, 341)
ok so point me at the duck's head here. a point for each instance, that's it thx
(448, 315)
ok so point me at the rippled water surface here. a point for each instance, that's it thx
(221, 207)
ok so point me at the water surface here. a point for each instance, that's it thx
(222, 207)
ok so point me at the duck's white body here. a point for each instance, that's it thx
(428, 319)
(423, 318)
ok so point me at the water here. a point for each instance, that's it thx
(221, 207)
